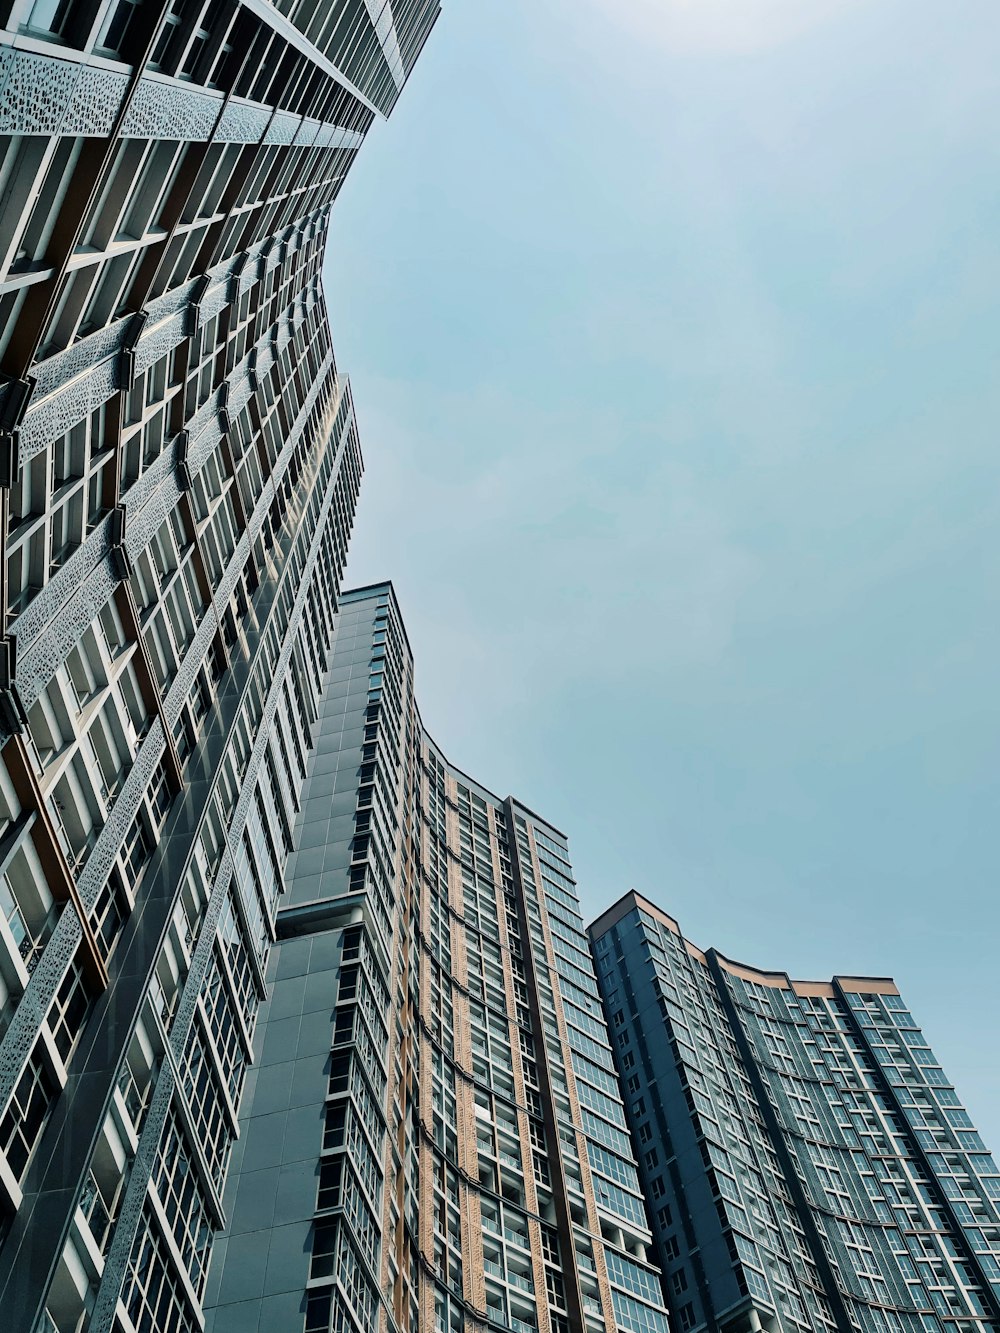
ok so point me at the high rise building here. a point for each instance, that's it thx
(808, 1164)
(432, 1135)
(179, 466)
(271, 969)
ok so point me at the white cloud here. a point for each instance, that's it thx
(726, 26)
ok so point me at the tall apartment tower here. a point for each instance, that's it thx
(178, 472)
(808, 1165)
(432, 1136)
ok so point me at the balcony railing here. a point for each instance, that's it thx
(31, 944)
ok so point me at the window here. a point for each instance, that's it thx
(687, 1316)
(333, 1130)
(328, 1194)
(160, 796)
(136, 850)
(340, 1073)
(343, 1031)
(109, 912)
(324, 1245)
(69, 1008)
(153, 1294)
(318, 1312)
(118, 31)
(179, 1193)
(48, 16)
(25, 1118)
(679, 1282)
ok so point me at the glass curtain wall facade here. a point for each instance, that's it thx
(432, 1136)
(807, 1162)
(179, 466)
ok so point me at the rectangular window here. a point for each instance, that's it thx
(136, 850)
(160, 796)
(24, 1120)
(324, 1246)
(69, 1009)
(318, 1312)
(333, 1130)
(109, 913)
(328, 1194)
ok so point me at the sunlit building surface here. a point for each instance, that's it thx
(179, 467)
(807, 1163)
(432, 1137)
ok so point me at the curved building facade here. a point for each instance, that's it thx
(179, 466)
(434, 1137)
(807, 1162)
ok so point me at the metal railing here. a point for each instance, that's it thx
(32, 945)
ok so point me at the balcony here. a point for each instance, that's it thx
(135, 1099)
(31, 943)
(95, 1210)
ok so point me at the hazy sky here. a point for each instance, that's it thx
(673, 330)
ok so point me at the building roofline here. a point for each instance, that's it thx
(365, 591)
(776, 979)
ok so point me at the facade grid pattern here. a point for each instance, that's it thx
(432, 1025)
(179, 468)
(807, 1162)
(300, 1025)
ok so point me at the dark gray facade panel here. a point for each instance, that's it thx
(807, 1163)
(433, 1055)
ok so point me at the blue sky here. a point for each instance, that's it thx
(673, 332)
